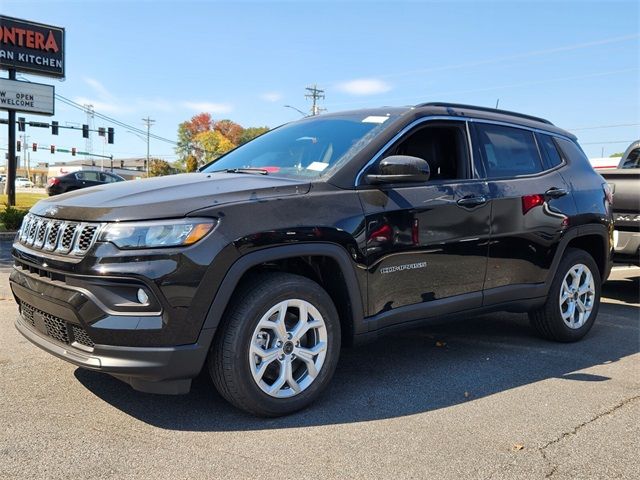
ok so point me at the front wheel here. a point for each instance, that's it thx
(278, 345)
(573, 300)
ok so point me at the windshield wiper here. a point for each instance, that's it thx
(254, 171)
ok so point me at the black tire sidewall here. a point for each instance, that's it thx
(249, 310)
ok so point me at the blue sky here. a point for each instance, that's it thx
(574, 62)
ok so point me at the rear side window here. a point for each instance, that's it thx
(572, 151)
(508, 151)
(550, 151)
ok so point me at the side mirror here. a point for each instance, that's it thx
(400, 169)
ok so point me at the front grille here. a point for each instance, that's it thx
(55, 327)
(58, 236)
(80, 336)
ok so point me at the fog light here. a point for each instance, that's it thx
(142, 296)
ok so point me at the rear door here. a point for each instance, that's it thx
(426, 244)
(530, 207)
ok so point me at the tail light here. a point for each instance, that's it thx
(531, 201)
(53, 181)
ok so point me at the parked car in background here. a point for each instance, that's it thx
(23, 182)
(81, 179)
(624, 182)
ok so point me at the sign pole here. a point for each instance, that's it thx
(11, 166)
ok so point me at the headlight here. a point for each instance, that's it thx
(157, 234)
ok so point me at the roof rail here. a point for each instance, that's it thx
(483, 109)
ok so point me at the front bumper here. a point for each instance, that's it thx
(627, 246)
(69, 322)
(167, 370)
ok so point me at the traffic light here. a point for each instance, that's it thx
(53, 149)
(21, 121)
(110, 135)
(85, 131)
(34, 146)
(73, 151)
(54, 128)
(18, 146)
(101, 131)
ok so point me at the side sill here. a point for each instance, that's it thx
(519, 306)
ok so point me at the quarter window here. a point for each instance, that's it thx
(508, 151)
(549, 147)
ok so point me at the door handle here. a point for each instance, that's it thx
(472, 201)
(556, 192)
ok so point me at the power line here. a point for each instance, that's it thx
(605, 143)
(604, 126)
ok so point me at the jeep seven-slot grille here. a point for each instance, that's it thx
(57, 236)
(55, 327)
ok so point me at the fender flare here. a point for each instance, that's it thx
(246, 262)
(580, 231)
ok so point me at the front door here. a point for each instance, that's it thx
(427, 244)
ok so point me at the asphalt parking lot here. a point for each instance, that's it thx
(478, 398)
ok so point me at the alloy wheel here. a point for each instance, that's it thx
(288, 348)
(577, 296)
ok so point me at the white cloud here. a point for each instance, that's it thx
(208, 107)
(271, 96)
(98, 87)
(364, 86)
(103, 106)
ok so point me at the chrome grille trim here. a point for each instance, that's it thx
(58, 236)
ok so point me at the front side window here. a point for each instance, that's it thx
(508, 151)
(305, 149)
(442, 145)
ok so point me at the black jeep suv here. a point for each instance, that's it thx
(323, 232)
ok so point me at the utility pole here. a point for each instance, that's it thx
(315, 94)
(25, 155)
(148, 122)
(88, 146)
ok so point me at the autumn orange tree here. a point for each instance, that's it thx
(202, 139)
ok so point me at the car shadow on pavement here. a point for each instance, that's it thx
(625, 290)
(402, 374)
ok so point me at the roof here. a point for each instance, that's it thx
(456, 109)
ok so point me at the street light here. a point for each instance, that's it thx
(296, 109)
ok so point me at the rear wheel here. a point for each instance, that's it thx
(278, 345)
(573, 300)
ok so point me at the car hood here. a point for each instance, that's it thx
(172, 196)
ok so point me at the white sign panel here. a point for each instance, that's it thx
(26, 97)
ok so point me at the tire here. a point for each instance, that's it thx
(251, 354)
(555, 320)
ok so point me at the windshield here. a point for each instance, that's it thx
(308, 148)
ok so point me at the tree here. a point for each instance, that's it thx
(191, 164)
(251, 133)
(231, 130)
(616, 155)
(158, 167)
(211, 144)
(187, 131)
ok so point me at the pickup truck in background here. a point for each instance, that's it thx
(625, 185)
